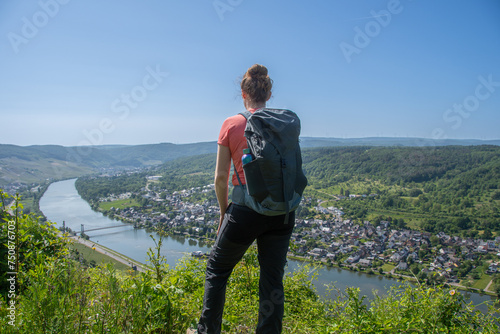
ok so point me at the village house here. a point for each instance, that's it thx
(353, 258)
(493, 267)
(364, 263)
(402, 266)
(317, 252)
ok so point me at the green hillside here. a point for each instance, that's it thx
(38, 170)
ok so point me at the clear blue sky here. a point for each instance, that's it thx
(76, 72)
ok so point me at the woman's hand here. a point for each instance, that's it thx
(222, 170)
(220, 223)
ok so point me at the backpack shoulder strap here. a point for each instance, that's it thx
(246, 114)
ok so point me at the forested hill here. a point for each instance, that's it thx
(404, 165)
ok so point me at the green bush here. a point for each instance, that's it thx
(25, 240)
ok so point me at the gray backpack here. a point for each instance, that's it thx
(274, 178)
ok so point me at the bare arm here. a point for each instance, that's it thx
(222, 170)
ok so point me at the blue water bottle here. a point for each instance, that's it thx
(247, 156)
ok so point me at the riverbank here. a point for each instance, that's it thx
(392, 274)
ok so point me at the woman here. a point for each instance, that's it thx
(239, 225)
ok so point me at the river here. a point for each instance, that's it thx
(62, 203)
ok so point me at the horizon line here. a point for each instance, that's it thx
(302, 137)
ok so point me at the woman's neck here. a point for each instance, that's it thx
(253, 105)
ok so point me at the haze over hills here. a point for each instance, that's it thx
(33, 164)
(37, 163)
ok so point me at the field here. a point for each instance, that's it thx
(119, 204)
(482, 283)
(388, 267)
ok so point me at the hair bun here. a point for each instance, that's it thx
(257, 71)
(257, 84)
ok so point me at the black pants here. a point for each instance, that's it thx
(240, 227)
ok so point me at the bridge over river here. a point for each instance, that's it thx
(83, 230)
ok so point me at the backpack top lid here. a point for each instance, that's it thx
(279, 126)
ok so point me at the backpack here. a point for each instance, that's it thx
(274, 178)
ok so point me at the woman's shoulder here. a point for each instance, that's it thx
(236, 118)
(234, 121)
(232, 128)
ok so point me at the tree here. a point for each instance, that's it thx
(421, 276)
(434, 240)
(487, 234)
(422, 253)
(497, 289)
(415, 192)
(311, 243)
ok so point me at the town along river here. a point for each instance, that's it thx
(61, 202)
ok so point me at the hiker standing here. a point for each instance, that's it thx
(240, 224)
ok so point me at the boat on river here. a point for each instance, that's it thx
(199, 254)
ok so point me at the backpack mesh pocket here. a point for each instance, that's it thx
(256, 186)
